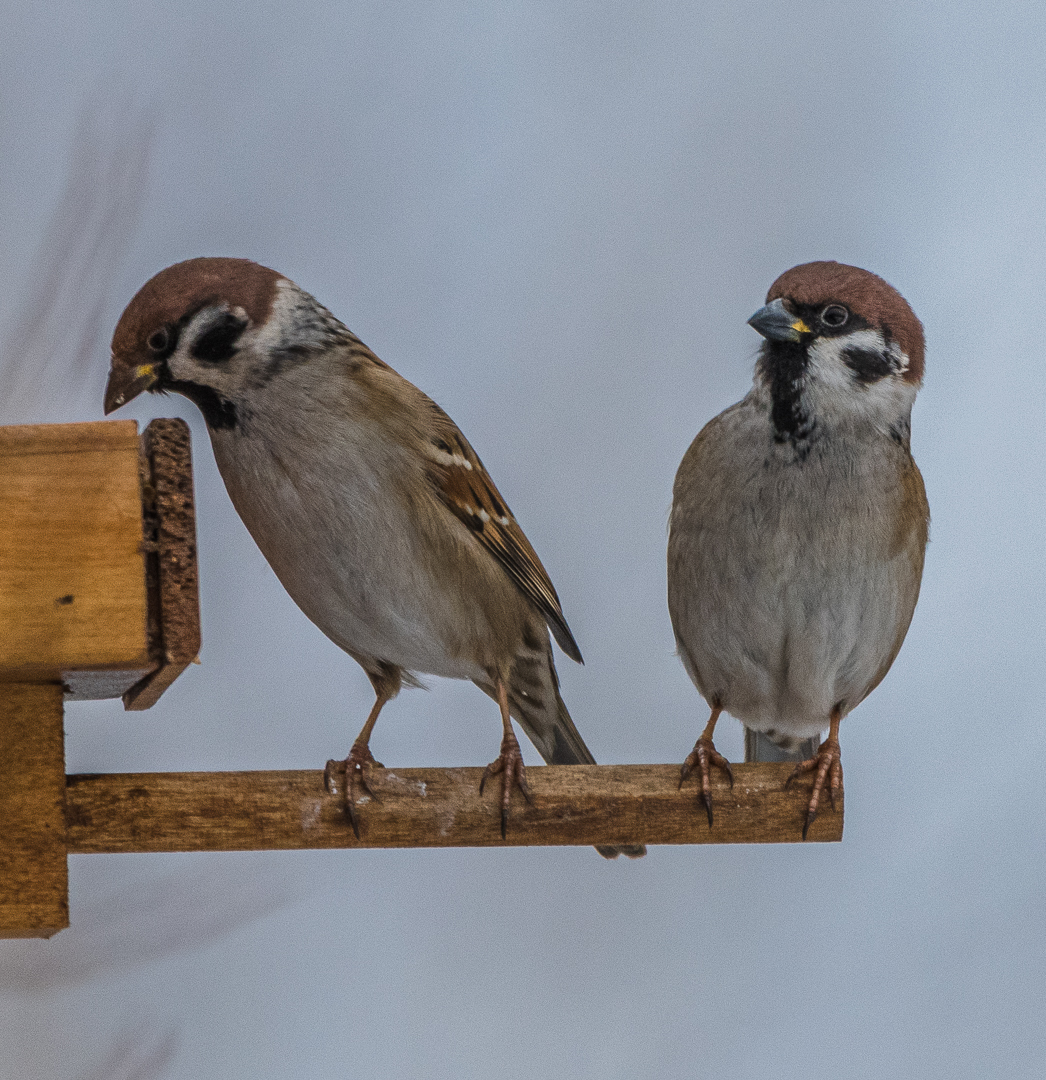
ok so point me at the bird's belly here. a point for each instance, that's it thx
(390, 624)
(348, 556)
(780, 651)
(789, 590)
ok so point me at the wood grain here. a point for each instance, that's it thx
(33, 879)
(72, 572)
(573, 804)
(171, 566)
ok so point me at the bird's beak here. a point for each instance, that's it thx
(127, 382)
(776, 323)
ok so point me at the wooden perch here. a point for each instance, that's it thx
(573, 804)
(98, 598)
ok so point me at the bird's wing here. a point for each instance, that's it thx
(465, 487)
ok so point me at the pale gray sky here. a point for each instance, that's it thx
(555, 218)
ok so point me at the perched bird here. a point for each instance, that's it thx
(368, 502)
(799, 521)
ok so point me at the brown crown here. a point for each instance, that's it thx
(179, 289)
(864, 293)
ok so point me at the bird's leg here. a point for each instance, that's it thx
(828, 765)
(705, 754)
(509, 762)
(359, 756)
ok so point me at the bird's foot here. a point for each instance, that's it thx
(705, 755)
(354, 769)
(510, 764)
(826, 765)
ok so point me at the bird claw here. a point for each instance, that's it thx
(354, 769)
(510, 764)
(828, 766)
(706, 755)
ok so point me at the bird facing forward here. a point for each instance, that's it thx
(370, 505)
(799, 521)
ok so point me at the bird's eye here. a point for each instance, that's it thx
(835, 315)
(158, 340)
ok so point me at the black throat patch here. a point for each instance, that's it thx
(783, 365)
(219, 412)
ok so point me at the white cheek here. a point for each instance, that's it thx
(225, 377)
(833, 390)
(181, 364)
(869, 339)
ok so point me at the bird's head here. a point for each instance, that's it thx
(217, 331)
(840, 342)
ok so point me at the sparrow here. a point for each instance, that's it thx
(799, 522)
(370, 505)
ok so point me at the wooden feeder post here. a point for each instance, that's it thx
(98, 599)
(34, 881)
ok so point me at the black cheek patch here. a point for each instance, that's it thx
(218, 344)
(868, 365)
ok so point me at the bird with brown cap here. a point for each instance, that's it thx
(799, 522)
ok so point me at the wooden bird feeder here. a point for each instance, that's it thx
(99, 599)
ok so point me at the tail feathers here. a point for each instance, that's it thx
(556, 739)
(775, 746)
(632, 851)
(563, 745)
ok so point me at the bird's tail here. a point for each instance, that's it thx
(770, 746)
(544, 717)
